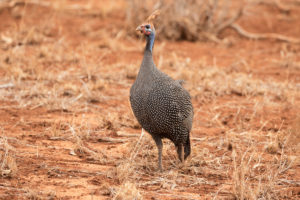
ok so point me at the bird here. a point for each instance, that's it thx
(161, 105)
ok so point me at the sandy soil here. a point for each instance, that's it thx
(67, 130)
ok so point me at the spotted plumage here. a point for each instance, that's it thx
(160, 104)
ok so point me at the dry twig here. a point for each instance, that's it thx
(258, 36)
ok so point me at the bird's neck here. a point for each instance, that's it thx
(148, 66)
(150, 42)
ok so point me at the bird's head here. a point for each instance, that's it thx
(147, 28)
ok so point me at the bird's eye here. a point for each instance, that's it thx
(147, 26)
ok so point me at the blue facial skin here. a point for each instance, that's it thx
(150, 38)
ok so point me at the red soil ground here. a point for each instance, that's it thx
(62, 141)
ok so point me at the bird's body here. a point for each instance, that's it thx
(161, 105)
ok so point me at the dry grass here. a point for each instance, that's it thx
(67, 108)
(211, 81)
(136, 168)
(8, 164)
(186, 20)
(294, 139)
(127, 191)
(249, 165)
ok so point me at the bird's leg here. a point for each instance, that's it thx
(181, 150)
(159, 145)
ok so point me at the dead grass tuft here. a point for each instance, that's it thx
(272, 147)
(250, 165)
(243, 172)
(82, 150)
(8, 164)
(57, 129)
(127, 191)
(124, 171)
(185, 20)
(140, 156)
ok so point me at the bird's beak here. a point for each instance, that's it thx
(139, 28)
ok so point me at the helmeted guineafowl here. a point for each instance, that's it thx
(160, 104)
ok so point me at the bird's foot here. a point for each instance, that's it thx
(160, 169)
(182, 164)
